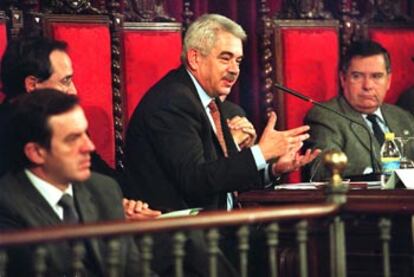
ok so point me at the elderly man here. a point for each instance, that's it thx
(51, 183)
(365, 79)
(179, 151)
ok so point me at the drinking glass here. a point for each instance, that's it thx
(403, 143)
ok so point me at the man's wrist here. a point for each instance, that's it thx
(274, 178)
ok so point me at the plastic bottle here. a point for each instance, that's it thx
(390, 159)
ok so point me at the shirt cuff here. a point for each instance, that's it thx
(258, 157)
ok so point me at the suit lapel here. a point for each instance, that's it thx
(363, 135)
(88, 212)
(393, 122)
(37, 207)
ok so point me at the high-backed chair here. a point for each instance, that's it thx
(306, 57)
(89, 42)
(3, 41)
(399, 41)
(150, 50)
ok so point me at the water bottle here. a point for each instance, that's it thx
(390, 159)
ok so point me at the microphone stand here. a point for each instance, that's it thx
(319, 104)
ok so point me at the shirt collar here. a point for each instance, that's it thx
(205, 98)
(378, 113)
(49, 192)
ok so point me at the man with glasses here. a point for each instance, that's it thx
(365, 78)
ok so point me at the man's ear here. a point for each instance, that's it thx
(192, 59)
(35, 153)
(30, 83)
(342, 78)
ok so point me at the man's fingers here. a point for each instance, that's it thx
(297, 131)
(271, 122)
(298, 139)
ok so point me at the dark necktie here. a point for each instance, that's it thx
(70, 215)
(215, 114)
(378, 133)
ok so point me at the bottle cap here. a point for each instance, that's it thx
(389, 136)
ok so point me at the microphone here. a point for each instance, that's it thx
(374, 174)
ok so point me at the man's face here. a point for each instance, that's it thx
(62, 73)
(218, 71)
(366, 83)
(68, 159)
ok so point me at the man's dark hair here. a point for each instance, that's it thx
(30, 120)
(365, 48)
(24, 57)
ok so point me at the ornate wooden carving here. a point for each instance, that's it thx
(15, 16)
(70, 7)
(117, 20)
(30, 5)
(187, 15)
(304, 9)
(384, 11)
(266, 57)
(350, 26)
(146, 11)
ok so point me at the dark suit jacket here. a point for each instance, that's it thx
(330, 131)
(97, 199)
(406, 100)
(173, 159)
(230, 110)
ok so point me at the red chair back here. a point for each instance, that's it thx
(307, 58)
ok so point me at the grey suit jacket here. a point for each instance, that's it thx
(97, 199)
(330, 131)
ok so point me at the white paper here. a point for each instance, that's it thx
(296, 186)
(186, 212)
(406, 176)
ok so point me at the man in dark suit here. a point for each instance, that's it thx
(38, 63)
(365, 79)
(52, 162)
(31, 63)
(177, 154)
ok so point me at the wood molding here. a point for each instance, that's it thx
(146, 11)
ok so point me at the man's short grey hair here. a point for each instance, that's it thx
(202, 33)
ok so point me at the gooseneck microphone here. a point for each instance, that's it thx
(319, 104)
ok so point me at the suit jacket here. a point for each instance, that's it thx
(173, 159)
(406, 100)
(331, 131)
(230, 110)
(97, 199)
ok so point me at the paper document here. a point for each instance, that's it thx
(406, 176)
(297, 186)
(186, 212)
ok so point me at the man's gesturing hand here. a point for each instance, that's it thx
(274, 144)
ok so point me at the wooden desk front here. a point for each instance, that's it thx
(361, 213)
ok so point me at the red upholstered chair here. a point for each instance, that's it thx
(3, 42)
(89, 43)
(399, 41)
(150, 50)
(306, 57)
